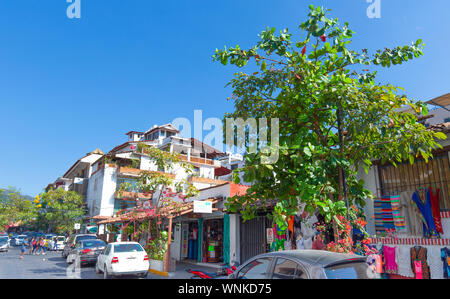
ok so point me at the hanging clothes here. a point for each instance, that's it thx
(388, 218)
(408, 209)
(390, 264)
(445, 257)
(436, 210)
(399, 219)
(419, 254)
(423, 203)
(378, 212)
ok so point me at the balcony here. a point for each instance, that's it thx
(126, 194)
(196, 179)
(199, 160)
(134, 172)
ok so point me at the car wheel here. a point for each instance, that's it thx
(143, 275)
(105, 274)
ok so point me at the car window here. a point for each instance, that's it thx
(128, 248)
(355, 270)
(288, 269)
(108, 249)
(94, 243)
(86, 237)
(256, 269)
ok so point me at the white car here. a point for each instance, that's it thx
(20, 239)
(123, 258)
(4, 243)
(60, 243)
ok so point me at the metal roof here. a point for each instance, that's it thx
(442, 101)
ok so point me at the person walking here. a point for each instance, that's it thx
(23, 249)
(42, 246)
(34, 245)
(55, 243)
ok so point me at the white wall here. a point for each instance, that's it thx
(109, 188)
(370, 182)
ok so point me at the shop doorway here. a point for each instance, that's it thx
(212, 245)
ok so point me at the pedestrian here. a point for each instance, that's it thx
(34, 244)
(55, 243)
(42, 246)
(23, 249)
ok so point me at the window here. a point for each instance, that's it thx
(94, 243)
(256, 269)
(128, 248)
(358, 270)
(407, 177)
(287, 269)
(108, 250)
(234, 166)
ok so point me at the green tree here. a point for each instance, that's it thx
(333, 117)
(58, 210)
(15, 208)
(164, 189)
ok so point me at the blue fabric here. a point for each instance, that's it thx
(445, 256)
(429, 229)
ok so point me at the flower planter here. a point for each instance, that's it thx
(157, 265)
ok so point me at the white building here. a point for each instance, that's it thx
(125, 164)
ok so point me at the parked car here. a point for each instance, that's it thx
(19, 240)
(4, 243)
(73, 240)
(305, 264)
(86, 252)
(123, 258)
(60, 242)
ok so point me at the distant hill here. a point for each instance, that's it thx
(7, 191)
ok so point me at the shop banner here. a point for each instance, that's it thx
(204, 207)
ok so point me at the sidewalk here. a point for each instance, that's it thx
(182, 267)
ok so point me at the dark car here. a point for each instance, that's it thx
(73, 240)
(305, 264)
(86, 252)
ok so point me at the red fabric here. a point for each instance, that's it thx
(436, 210)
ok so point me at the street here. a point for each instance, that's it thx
(53, 266)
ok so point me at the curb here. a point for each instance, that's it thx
(166, 274)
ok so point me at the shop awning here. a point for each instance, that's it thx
(442, 101)
(222, 171)
(164, 212)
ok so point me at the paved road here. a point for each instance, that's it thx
(53, 266)
(49, 266)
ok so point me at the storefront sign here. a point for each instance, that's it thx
(269, 234)
(204, 207)
(77, 226)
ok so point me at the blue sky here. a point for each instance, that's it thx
(68, 86)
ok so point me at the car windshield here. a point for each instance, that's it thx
(94, 243)
(3, 239)
(87, 237)
(355, 270)
(21, 237)
(61, 239)
(128, 248)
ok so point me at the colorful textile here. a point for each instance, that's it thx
(424, 206)
(386, 208)
(445, 257)
(390, 265)
(419, 254)
(418, 269)
(379, 227)
(436, 210)
(399, 219)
